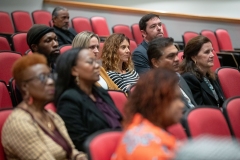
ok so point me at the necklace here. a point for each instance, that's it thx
(49, 125)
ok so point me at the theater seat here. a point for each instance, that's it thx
(20, 42)
(81, 24)
(120, 28)
(100, 27)
(206, 121)
(6, 26)
(187, 36)
(119, 98)
(64, 48)
(5, 99)
(41, 17)
(101, 145)
(22, 21)
(137, 33)
(4, 45)
(177, 131)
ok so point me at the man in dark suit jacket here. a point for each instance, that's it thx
(60, 18)
(151, 27)
(163, 53)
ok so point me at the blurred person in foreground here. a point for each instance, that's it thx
(87, 39)
(84, 107)
(31, 132)
(154, 105)
(209, 148)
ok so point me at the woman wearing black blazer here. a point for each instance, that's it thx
(84, 107)
(196, 70)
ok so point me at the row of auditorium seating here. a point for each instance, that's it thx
(197, 122)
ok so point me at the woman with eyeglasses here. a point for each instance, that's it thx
(31, 132)
(84, 107)
(116, 57)
(90, 40)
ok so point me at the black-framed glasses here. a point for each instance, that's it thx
(43, 77)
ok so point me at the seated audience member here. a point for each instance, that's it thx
(196, 70)
(42, 39)
(155, 104)
(90, 40)
(163, 53)
(60, 19)
(116, 57)
(151, 27)
(84, 107)
(31, 132)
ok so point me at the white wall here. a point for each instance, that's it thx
(175, 26)
(26, 5)
(222, 8)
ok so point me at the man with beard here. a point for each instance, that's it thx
(60, 19)
(163, 53)
(43, 40)
(151, 28)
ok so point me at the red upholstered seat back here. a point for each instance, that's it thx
(100, 27)
(224, 40)
(81, 24)
(229, 81)
(4, 45)
(41, 17)
(101, 146)
(119, 98)
(6, 26)
(187, 36)
(6, 61)
(5, 99)
(206, 121)
(22, 21)
(177, 131)
(137, 33)
(231, 110)
(123, 29)
(20, 42)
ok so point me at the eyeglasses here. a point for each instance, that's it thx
(43, 77)
(93, 47)
(96, 61)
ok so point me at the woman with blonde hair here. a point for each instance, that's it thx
(117, 61)
(90, 40)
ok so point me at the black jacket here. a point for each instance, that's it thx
(65, 36)
(201, 92)
(81, 115)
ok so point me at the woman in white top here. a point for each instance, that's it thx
(116, 57)
(90, 40)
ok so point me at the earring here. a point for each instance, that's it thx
(195, 62)
(30, 100)
(77, 80)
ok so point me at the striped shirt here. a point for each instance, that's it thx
(123, 80)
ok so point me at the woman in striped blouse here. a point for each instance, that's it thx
(116, 57)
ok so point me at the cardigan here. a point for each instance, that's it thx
(23, 138)
(111, 85)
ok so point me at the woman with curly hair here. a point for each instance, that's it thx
(116, 57)
(148, 113)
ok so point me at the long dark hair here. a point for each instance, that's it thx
(64, 65)
(192, 49)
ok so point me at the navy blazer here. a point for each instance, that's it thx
(64, 36)
(80, 114)
(140, 58)
(201, 92)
